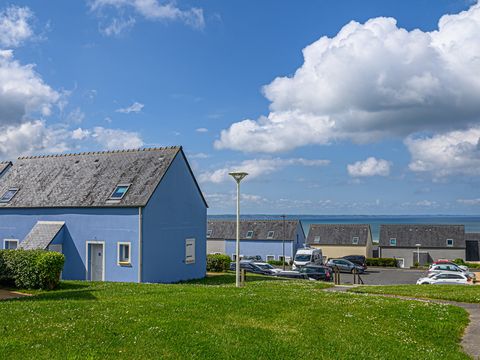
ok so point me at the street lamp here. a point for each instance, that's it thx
(283, 242)
(418, 253)
(238, 176)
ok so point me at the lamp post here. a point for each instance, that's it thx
(238, 176)
(283, 242)
(418, 253)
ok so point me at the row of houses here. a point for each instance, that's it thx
(408, 243)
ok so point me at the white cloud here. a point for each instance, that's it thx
(14, 26)
(369, 167)
(31, 137)
(257, 167)
(76, 116)
(112, 139)
(201, 130)
(22, 91)
(148, 9)
(80, 134)
(371, 81)
(136, 107)
(452, 153)
(469, 201)
(200, 155)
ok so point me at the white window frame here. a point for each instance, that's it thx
(270, 236)
(355, 240)
(190, 259)
(451, 241)
(394, 242)
(10, 240)
(119, 261)
(115, 190)
(270, 256)
(209, 233)
(248, 232)
(316, 239)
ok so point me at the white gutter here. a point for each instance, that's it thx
(140, 255)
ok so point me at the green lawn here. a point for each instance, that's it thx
(469, 294)
(211, 319)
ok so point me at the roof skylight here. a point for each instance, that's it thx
(8, 195)
(120, 192)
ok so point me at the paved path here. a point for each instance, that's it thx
(7, 294)
(471, 336)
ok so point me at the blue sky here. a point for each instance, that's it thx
(352, 107)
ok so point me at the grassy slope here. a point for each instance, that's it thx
(212, 319)
(470, 294)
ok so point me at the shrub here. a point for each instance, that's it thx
(218, 262)
(385, 262)
(31, 269)
(275, 262)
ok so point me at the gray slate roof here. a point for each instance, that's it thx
(339, 234)
(227, 229)
(87, 179)
(41, 235)
(428, 235)
(472, 236)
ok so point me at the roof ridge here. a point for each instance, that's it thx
(98, 152)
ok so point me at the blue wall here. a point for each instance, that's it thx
(174, 213)
(110, 225)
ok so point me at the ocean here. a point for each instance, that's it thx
(472, 223)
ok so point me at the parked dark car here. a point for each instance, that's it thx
(357, 259)
(252, 257)
(317, 272)
(291, 274)
(344, 265)
(249, 266)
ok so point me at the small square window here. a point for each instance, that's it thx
(120, 192)
(189, 251)
(270, 257)
(393, 242)
(249, 234)
(316, 240)
(449, 242)
(124, 253)
(270, 235)
(10, 244)
(355, 240)
(8, 195)
(209, 233)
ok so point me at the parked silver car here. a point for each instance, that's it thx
(344, 265)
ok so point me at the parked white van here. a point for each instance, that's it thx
(307, 256)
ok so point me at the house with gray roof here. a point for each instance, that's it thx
(338, 240)
(472, 246)
(129, 215)
(422, 243)
(264, 238)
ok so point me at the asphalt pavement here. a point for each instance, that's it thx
(385, 276)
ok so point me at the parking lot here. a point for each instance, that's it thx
(385, 276)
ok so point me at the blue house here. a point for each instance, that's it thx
(131, 215)
(257, 237)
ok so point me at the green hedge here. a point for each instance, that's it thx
(470, 265)
(31, 269)
(385, 262)
(218, 262)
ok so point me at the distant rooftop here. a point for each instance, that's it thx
(261, 229)
(427, 235)
(339, 234)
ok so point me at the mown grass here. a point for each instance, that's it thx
(211, 319)
(468, 294)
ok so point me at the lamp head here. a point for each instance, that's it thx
(418, 245)
(238, 176)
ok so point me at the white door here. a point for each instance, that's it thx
(96, 262)
(400, 263)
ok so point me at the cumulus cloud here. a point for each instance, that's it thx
(111, 139)
(257, 167)
(151, 10)
(452, 153)
(369, 167)
(14, 26)
(136, 107)
(368, 82)
(80, 134)
(22, 91)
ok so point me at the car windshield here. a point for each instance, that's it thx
(302, 257)
(265, 266)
